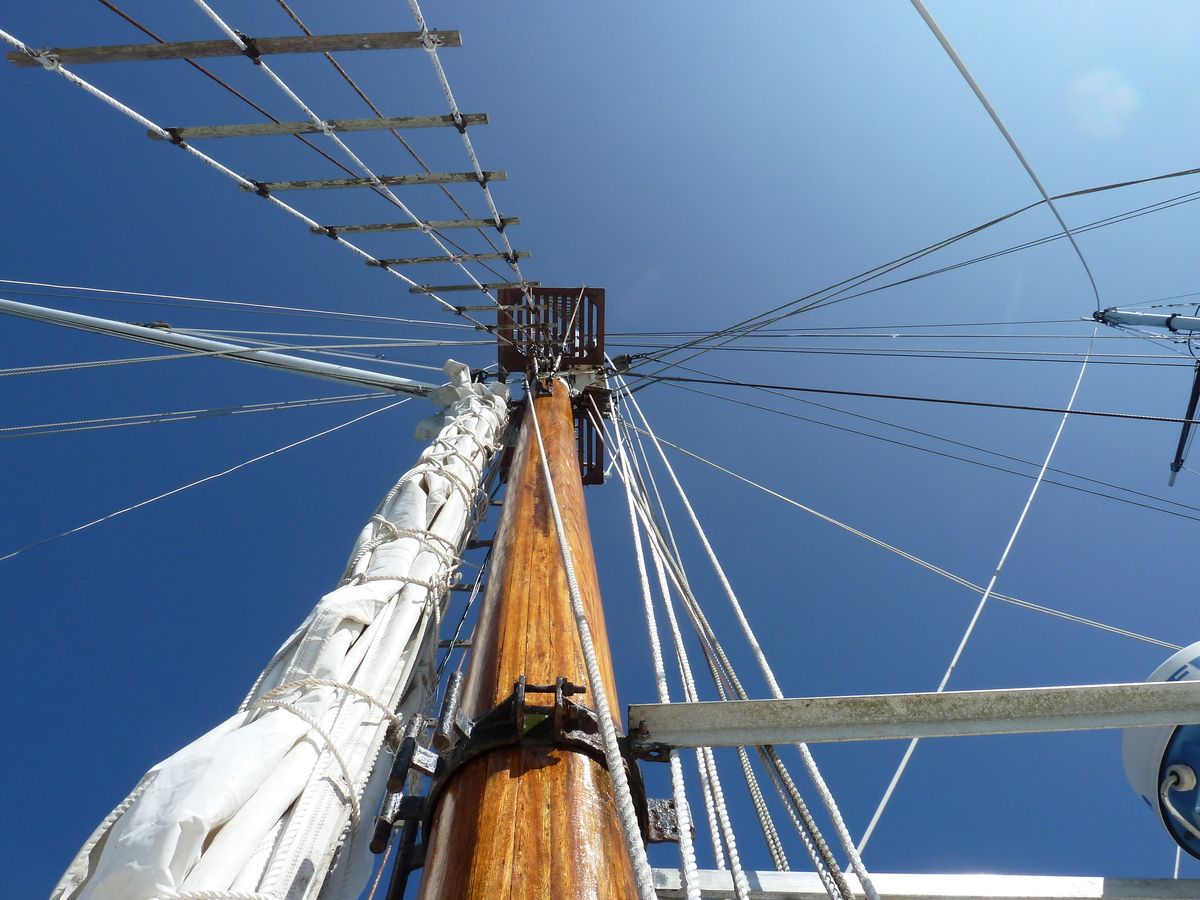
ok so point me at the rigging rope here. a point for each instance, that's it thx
(810, 764)
(329, 132)
(202, 480)
(431, 46)
(912, 746)
(814, 844)
(298, 312)
(943, 400)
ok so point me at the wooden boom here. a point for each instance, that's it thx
(532, 822)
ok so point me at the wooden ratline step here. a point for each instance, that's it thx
(267, 129)
(319, 43)
(458, 257)
(413, 226)
(388, 180)
(440, 288)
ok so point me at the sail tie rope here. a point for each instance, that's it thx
(351, 790)
(337, 685)
(218, 895)
(642, 876)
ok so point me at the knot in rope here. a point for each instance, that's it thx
(49, 61)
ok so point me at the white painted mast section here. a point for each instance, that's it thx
(164, 337)
(278, 800)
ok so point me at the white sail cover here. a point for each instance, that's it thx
(268, 800)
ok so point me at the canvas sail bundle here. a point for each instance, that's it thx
(277, 800)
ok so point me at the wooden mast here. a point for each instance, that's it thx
(532, 821)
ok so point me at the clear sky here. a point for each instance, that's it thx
(703, 163)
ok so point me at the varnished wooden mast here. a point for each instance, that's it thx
(532, 822)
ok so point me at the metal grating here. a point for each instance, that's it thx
(536, 325)
(590, 444)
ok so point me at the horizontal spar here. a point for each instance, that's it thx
(715, 884)
(486, 286)
(318, 43)
(413, 226)
(456, 258)
(267, 129)
(389, 180)
(161, 335)
(888, 716)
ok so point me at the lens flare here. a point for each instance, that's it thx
(1102, 103)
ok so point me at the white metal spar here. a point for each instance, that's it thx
(271, 801)
(164, 337)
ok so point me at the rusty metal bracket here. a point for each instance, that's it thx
(517, 723)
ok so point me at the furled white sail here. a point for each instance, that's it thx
(278, 799)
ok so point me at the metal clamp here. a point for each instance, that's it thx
(517, 723)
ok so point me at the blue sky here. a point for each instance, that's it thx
(703, 163)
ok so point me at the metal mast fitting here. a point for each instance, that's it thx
(1188, 327)
(560, 331)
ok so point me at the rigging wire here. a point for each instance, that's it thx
(942, 400)
(298, 312)
(431, 48)
(18, 431)
(1012, 539)
(816, 299)
(965, 459)
(199, 481)
(937, 570)
(937, 32)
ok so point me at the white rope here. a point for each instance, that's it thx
(341, 686)
(642, 875)
(912, 746)
(217, 895)
(201, 480)
(47, 62)
(723, 838)
(687, 851)
(330, 748)
(814, 844)
(810, 764)
(620, 457)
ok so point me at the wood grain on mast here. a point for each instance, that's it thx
(532, 822)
